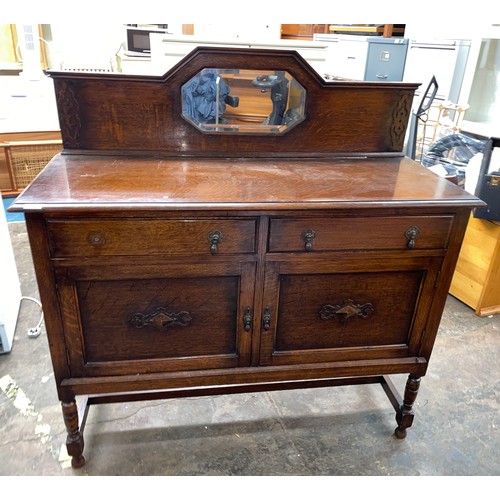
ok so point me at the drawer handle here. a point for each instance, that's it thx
(97, 239)
(266, 318)
(214, 237)
(308, 236)
(161, 319)
(247, 319)
(412, 234)
(346, 311)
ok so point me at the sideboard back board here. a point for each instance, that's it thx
(143, 114)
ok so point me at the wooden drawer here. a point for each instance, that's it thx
(87, 237)
(359, 233)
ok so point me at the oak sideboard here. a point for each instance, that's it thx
(237, 224)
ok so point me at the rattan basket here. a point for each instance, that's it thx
(27, 160)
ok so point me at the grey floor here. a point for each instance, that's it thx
(344, 431)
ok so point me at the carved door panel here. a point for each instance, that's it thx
(144, 319)
(351, 309)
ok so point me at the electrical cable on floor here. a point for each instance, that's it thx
(35, 332)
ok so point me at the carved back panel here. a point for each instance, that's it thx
(128, 114)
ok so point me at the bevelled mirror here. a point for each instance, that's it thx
(243, 101)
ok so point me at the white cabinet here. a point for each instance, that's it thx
(351, 58)
(444, 59)
(167, 50)
(10, 288)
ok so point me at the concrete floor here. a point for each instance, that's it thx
(345, 431)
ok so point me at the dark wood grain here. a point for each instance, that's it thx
(141, 236)
(367, 233)
(76, 182)
(143, 114)
(141, 301)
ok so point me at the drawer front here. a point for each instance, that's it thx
(86, 238)
(182, 318)
(359, 233)
(322, 315)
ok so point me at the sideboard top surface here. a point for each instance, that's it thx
(76, 182)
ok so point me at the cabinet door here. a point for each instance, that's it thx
(356, 308)
(143, 318)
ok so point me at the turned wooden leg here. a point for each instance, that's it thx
(74, 441)
(404, 416)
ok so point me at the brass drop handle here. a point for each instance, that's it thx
(214, 237)
(247, 319)
(412, 234)
(266, 318)
(308, 236)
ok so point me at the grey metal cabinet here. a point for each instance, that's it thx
(371, 58)
(386, 59)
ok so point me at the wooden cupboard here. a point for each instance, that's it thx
(476, 280)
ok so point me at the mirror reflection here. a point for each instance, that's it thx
(243, 101)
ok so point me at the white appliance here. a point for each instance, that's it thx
(138, 42)
(444, 59)
(10, 288)
(167, 50)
